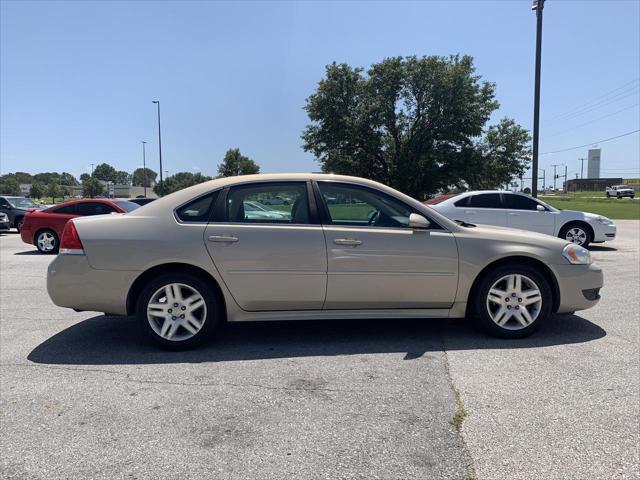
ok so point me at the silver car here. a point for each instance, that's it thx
(191, 260)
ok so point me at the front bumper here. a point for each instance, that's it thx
(5, 225)
(603, 233)
(73, 283)
(579, 286)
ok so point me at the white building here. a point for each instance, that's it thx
(593, 163)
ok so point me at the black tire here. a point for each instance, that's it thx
(608, 195)
(581, 225)
(480, 311)
(56, 242)
(214, 312)
(618, 196)
(18, 223)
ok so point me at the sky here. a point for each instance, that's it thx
(77, 78)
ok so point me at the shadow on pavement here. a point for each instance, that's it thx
(117, 340)
(600, 248)
(29, 252)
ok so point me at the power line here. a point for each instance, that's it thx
(592, 121)
(579, 107)
(601, 104)
(591, 143)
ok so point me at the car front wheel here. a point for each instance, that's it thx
(577, 233)
(47, 241)
(178, 311)
(512, 301)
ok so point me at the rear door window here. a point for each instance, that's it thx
(93, 208)
(66, 210)
(485, 200)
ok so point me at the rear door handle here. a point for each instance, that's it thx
(469, 211)
(223, 239)
(347, 241)
(514, 214)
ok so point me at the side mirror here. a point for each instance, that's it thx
(540, 208)
(418, 221)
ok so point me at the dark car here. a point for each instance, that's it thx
(141, 200)
(16, 208)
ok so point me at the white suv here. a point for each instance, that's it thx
(620, 191)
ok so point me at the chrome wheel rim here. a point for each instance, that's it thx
(514, 302)
(176, 312)
(576, 235)
(46, 242)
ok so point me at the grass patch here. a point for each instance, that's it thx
(622, 209)
(461, 413)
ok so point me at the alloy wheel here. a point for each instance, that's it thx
(514, 302)
(46, 242)
(576, 235)
(176, 312)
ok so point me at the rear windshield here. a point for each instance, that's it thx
(126, 205)
(440, 198)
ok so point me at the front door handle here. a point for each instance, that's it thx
(223, 239)
(514, 214)
(470, 211)
(347, 241)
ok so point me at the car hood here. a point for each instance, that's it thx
(522, 237)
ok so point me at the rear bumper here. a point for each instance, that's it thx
(26, 234)
(73, 283)
(579, 286)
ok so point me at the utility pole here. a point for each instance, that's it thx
(544, 177)
(157, 102)
(581, 166)
(554, 175)
(91, 169)
(566, 189)
(538, 6)
(144, 168)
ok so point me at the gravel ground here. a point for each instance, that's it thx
(84, 396)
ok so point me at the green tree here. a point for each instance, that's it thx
(54, 190)
(68, 180)
(37, 190)
(179, 181)
(139, 177)
(9, 185)
(416, 124)
(47, 177)
(92, 187)
(234, 163)
(105, 172)
(123, 178)
(84, 177)
(23, 177)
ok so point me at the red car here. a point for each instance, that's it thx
(44, 228)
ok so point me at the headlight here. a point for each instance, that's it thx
(604, 220)
(576, 254)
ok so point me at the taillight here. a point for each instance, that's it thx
(70, 243)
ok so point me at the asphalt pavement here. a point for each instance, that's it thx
(85, 396)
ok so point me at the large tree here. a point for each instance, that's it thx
(37, 190)
(54, 190)
(122, 178)
(105, 172)
(9, 185)
(68, 180)
(179, 181)
(234, 163)
(416, 124)
(139, 177)
(92, 187)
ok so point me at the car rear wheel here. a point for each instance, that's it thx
(178, 311)
(512, 301)
(577, 233)
(47, 241)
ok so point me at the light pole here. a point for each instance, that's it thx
(157, 102)
(538, 6)
(144, 168)
(554, 175)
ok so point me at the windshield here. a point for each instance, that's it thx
(624, 186)
(20, 202)
(126, 205)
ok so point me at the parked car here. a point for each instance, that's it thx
(620, 191)
(5, 224)
(141, 200)
(194, 260)
(276, 200)
(258, 211)
(44, 228)
(519, 210)
(16, 208)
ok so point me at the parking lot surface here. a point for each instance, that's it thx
(85, 396)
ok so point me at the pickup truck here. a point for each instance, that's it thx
(620, 191)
